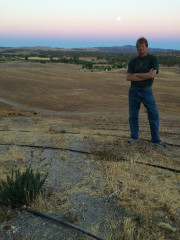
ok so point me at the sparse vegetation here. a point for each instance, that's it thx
(95, 109)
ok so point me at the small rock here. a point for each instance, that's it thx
(63, 131)
(178, 184)
(15, 229)
(157, 218)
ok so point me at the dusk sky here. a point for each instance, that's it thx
(93, 23)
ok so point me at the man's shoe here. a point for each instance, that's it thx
(159, 144)
(131, 140)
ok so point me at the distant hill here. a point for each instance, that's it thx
(115, 49)
(126, 49)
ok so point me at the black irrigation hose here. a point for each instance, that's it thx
(30, 131)
(127, 130)
(147, 164)
(90, 153)
(113, 135)
(157, 166)
(62, 222)
(67, 224)
(46, 147)
(170, 144)
(3, 204)
(153, 165)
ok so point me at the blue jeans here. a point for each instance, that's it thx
(144, 95)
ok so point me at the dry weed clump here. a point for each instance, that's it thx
(134, 230)
(14, 154)
(144, 190)
(145, 195)
(114, 227)
(51, 132)
(129, 229)
(50, 202)
(151, 193)
(6, 214)
(12, 157)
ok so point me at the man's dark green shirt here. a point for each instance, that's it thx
(143, 65)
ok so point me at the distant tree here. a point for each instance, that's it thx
(107, 68)
(43, 61)
(88, 65)
(26, 57)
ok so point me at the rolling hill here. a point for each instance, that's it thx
(114, 49)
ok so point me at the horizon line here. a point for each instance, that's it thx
(128, 45)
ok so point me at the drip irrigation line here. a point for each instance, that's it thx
(111, 129)
(170, 144)
(30, 131)
(127, 130)
(90, 153)
(62, 222)
(157, 166)
(153, 165)
(45, 147)
(109, 135)
(113, 135)
(14, 131)
(72, 133)
(67, 224)
(147, 164)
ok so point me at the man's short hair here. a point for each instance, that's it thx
(142, 40)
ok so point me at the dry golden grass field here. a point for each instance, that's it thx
(88, 111)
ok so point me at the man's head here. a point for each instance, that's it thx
(142, 46)
(141, 41)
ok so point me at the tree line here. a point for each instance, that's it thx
(95, 60)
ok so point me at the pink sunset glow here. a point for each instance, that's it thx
(103, 22)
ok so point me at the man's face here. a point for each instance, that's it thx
(142, 49)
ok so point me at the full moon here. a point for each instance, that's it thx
(119, 19)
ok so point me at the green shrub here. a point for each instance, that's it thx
(19, 189)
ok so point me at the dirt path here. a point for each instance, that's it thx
(75, 176)
(19, 106)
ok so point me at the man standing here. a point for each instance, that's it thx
(141, 72)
